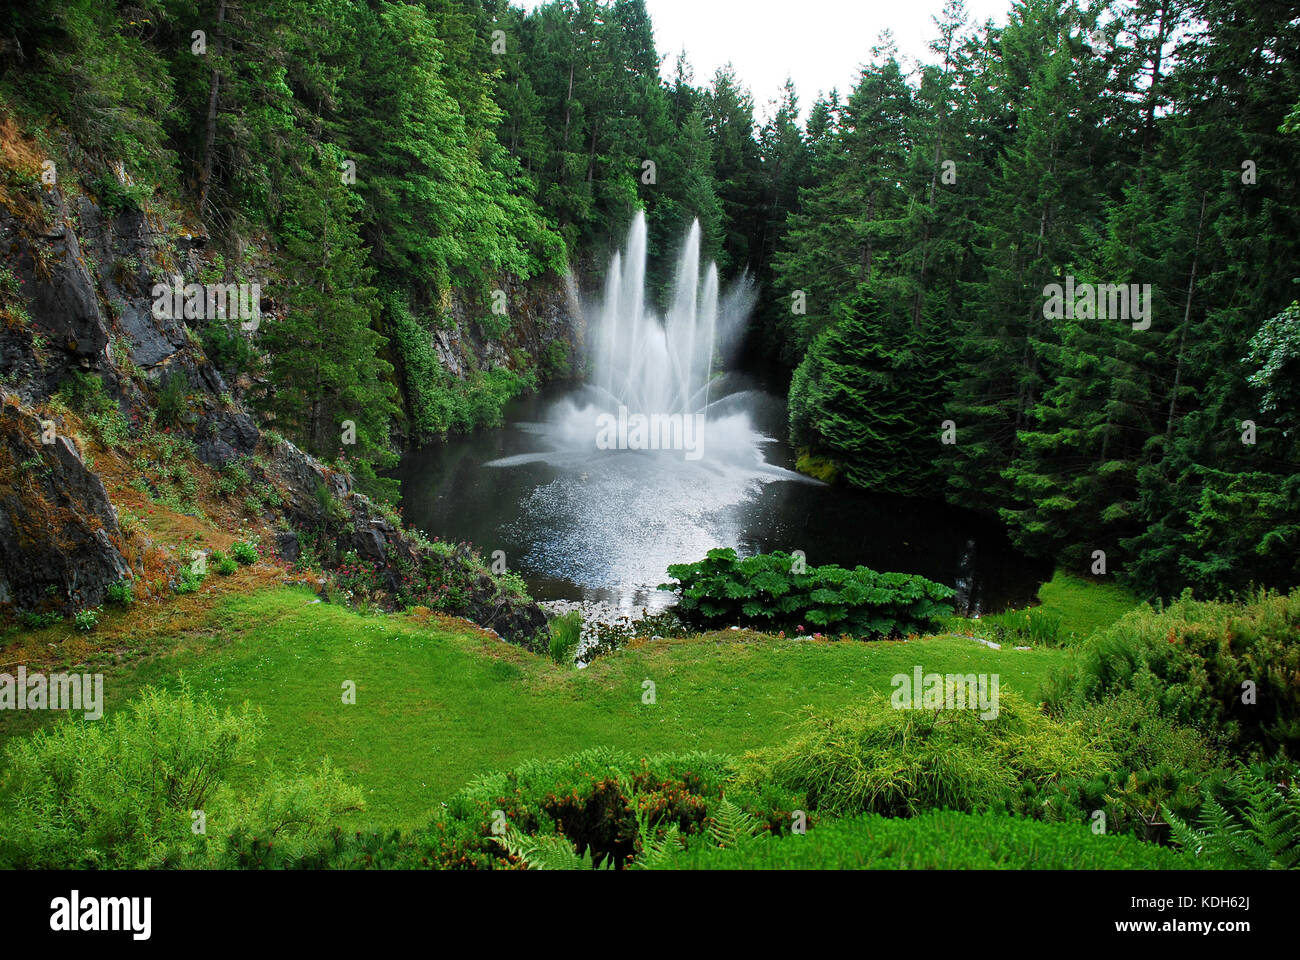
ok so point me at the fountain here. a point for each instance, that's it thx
(658, 441)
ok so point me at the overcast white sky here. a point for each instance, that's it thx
(819, 43)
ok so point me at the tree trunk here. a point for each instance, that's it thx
(210, 137)
(1187, 314)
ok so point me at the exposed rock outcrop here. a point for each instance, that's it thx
(84, 283)
(60, 545)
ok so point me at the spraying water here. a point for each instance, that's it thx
(650, 461)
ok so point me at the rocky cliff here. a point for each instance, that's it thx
(76, 303)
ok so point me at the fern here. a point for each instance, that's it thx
(658, 854)
(543, 852)
(733, 827)
(1268, 839)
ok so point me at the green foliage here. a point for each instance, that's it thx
(544, 852)
(84, 393)
(245, 553)
(31, 620)
(188, 580)
(233, 479)
(1266, 836)
(439, 402)
(1158, 764)
(121, 593)
(1220, 667)
(566, 634)
(878, 759)
(331, 383)
(171, 406)
(113, 793)
(86, 620)
(600, 808)
(92, 69)
(762, 590)
(285, 824)
(865, 396)
(937, 840)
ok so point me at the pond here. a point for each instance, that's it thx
(592, 524)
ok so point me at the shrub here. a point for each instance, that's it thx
(171, 405)
(1158, 764)
(1195, 661)
(112, 793)
(606, 804)
(32, 620)
(762, 591)
(877, 759)
(84, 393)
(244, 553)
(285, 824)
(566, 633)
(938, 840)
(188, 580)
(86, 620)
(226, 566)
(233, 479)
(121, 593)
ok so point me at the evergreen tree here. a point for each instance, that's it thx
(329, 382)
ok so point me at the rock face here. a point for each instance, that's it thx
(85, 283)
(350, 522)
(545, 320)
(60, 545)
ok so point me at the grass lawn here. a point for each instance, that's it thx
(1083, 606)
(439, 702)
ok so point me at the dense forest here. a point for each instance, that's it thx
(376, 158)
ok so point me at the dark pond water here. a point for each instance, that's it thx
(587, 524)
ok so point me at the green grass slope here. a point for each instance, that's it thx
(438, 702)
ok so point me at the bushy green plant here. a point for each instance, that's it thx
(937, 840)
(171, 406)
(188, 580)
(284, 824)
(1224, 668)
(32, 620)
(878, 759)
(765, 591)
(225, 566)
(1158, 764)
(121, 593)
(114, 792)
(566, 634)
(244, 552)
(84, 393)
(233, 479)
(606, 804)
(86, 620)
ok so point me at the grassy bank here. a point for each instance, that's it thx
(439, 702)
